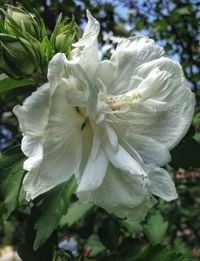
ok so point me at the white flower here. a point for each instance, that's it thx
(111, 123)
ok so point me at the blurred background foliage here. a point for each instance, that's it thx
(46, 230)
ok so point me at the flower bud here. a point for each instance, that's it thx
(65, 35)
(23, 19)
(60, 41)
(17, 56)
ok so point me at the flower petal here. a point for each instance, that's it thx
(123, 194)
(57, 69)
(151, 151)
(106, 71)
(162, 184)
(112, 137)
(153, 84)
(130, 53)
(122, 160)
(54, 150)
(87, 46)
(95, 169)
(30, 122)
(85, 87)
(33, 149)
(79, 90)
(172, 105)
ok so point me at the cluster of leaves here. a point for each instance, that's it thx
(36, 228)
(23, 37)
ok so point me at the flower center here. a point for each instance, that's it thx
(123, 101)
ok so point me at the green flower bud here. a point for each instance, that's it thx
(67, 35)
(17, 56)
(60, 41)
(21, 18)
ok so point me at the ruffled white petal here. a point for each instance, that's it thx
(33, 149)
(70, 74)
(151, 151)
(124, 190)
(37, 106)
(167, 117)
(123, 194)
(162, 184)
(57, 69)
(54, 150)
(86, 55)
(153, 84)
(106, 71)
(86, 49)
(122, 160)
(130, 54)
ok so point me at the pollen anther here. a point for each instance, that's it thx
(122, 101)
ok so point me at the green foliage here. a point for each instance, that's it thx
(181, 247)
(24, 38)
(54, 205)
(11, 175)
(25, 249)
(63, 35)
(75, 212)
(9, 84)
(156, 228)
(133, 227)
(157, 253)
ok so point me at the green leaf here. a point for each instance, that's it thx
(54, 205)
(56, 30)
(132, 226)
(2, 29)
(75, 213)
(26, 251)
(182, 248)
(156, 228)
(158, 253)
(10, 157)
(8, 84)
(46, 51)
(11, 175)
